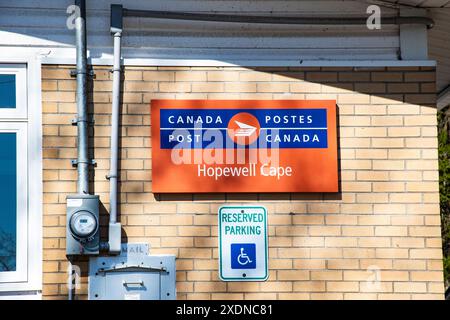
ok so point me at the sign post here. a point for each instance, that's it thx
(243, 247)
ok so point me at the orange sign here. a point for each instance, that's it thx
(210, 146)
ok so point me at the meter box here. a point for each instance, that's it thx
(82, 227)
(133, 275)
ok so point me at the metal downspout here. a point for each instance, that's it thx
(82, 161)
(82, 117)
(114, 243)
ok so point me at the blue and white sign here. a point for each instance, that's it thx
(243, 247)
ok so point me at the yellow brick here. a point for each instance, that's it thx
(208, 87)
(374, 242)
(388, 186)
(404, 154)
(273, 87)
(309, 286)
(370, 110)
(357, 231)
(356, 208)
(193, 231)
(321, 76)
(409, 264)
(342, 286)
(374, 220)
(309, 264)
(387, 76)
(421, 142)
(388, 142)
(422, 186)
(177, 220)
(427, 276)
(356, 187)
(423, 209)
(405, 176)
(410, 287)
(326, 275)
(55, 73)
(422, 165)
(392, 253)
(305, 87)
(425, 231)
(222, 76)
(353, 99)
(420, 76)
(407, 220)
(240, 87)
(341, 219)
(354, 253)
(356, 165)
(403, 87)
(326, 253)
(294, 253)
(386, 99)
(341, 264)
(404, 132)
(403, 109)
(386, 121)
(292, 275)
(354, 142)
(190, 76)
(132, 75)
(193, 208)
(195, 253)
(371, 154)
(308, 242)
(388, 165)
(372, 197)
(177, 87)
(255, 76)
(336, 242)
(426, 253)
(324, 230)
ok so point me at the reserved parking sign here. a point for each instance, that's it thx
(210, 146)
(243, 247)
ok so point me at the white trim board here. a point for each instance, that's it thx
(249, 63)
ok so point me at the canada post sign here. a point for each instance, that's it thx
(207, 146)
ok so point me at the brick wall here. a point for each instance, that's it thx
(384, 223)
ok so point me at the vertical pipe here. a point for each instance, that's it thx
(82, 118)
(113, 174)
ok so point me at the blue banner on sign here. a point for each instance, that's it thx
(279, 128)
(243, 256)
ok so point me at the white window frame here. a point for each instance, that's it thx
(20, 111)
(26, 119)
(20, 274)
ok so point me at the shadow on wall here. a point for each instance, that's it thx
(358, 91)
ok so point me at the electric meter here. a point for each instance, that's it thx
(82, 228)
(83, 224)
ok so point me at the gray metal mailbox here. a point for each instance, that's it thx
(133, 275)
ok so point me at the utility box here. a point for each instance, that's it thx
(82, 227)
(133, 275)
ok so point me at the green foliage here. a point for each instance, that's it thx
(444, 189)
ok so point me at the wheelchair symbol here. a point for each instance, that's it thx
(243, 258)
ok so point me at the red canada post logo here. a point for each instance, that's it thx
(243, 128)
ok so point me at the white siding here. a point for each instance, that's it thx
(42, 24)
(439, 45)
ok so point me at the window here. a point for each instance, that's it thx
(20, 163)
(13, 199)
(13, 93)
